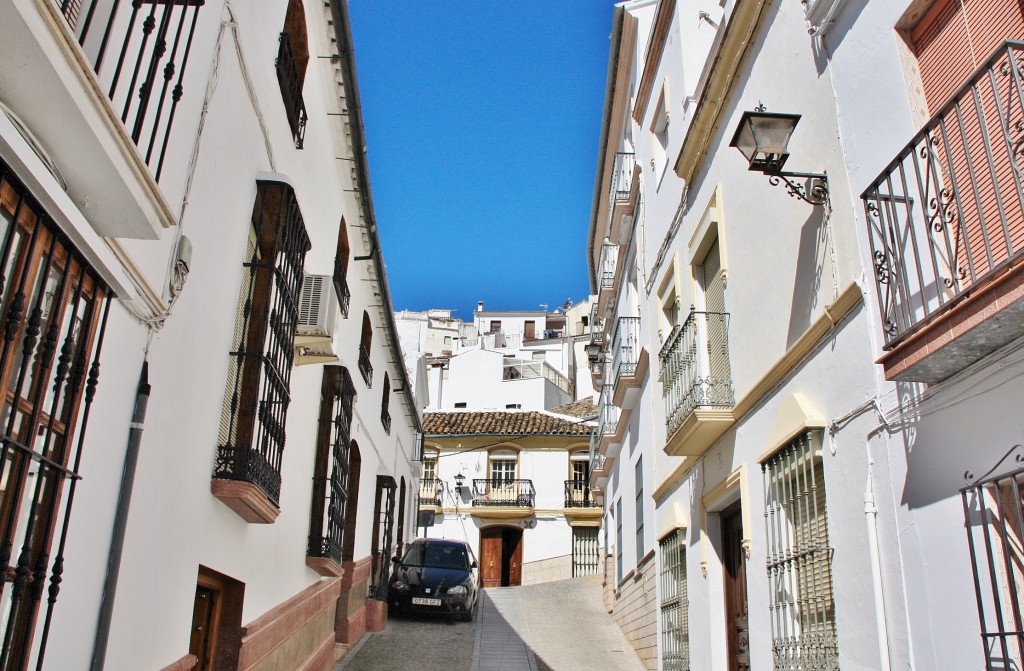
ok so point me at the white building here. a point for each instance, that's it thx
(736, 341)
(213, 453)
(513, 484)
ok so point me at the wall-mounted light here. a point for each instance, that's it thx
(459, 479)
(763, 139)
(593, 352)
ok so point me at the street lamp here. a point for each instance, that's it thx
(593, 352)
(763, 139)
(459, 479)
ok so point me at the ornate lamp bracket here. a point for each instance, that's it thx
(816, 194)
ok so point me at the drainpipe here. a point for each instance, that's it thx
(131, 460)
(870, 516)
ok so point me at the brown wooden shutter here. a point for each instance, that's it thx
(952, 41)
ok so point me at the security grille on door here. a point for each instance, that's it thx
(584, 551)
(384, 516)
(675, 621)
(800, 594)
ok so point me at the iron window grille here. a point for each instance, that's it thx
(675, 605)
(330, 477)
(618, 541)
(799, 563)
(341, 286)
(365, 368)
(291, 89)
(384, 517)
(146, 79)
(994, 521)
(639, 489)
(585, 553)
(54, 314)
(385, 403)
(252, 432)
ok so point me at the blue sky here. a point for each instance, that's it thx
(482, 121)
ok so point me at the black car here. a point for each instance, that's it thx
(435, 576)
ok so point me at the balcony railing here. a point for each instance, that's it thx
(143, 67)
(291, 90)
(622, 178)
(341, 287)
(948, 211)
(695, 371)
(507, 493)
(515, 369)
(500, 339)
(626, 347)
(609, 262)
(578, 494)
(364, 366)
(430, 492)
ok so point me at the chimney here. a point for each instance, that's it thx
(479, 306)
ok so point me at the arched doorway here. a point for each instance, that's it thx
(501, 556)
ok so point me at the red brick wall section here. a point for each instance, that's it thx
(351, 618)
(636, 610)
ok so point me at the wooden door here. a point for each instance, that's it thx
(735, 576)
(512, 566)
(202, 642)
(529, 330)
(490, 557)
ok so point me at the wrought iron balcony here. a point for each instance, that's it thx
(626, 347)
(608, 265)
(695, 371)
(504, 493)
(431, 490)
(622, 178)
(341, 287)
(143, 69)
(946, 217)
(291, 89)
(578, 494)
(364, 366)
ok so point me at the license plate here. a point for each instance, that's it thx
(420, 601)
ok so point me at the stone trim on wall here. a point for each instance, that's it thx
(267, 636)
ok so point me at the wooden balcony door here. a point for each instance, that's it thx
(501, 556)
(735, 576)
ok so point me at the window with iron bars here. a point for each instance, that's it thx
(252, 429)
(330, 475)
(54, 313)
(800, 599)
(675, 605)
(994, 521)
(618, 542)
(380, 550)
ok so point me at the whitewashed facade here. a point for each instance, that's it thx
(181, 215)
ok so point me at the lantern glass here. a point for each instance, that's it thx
(763, 139)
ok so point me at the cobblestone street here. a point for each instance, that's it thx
(515, 629)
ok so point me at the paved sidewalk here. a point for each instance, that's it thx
(556, 626)
(499, 646)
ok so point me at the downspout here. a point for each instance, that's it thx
(124, 499)
(346, 54)
(870, 516)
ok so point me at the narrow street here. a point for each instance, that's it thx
(557, 626)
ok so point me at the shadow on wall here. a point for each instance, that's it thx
(812, 257)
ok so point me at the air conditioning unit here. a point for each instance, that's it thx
(318, 320)
(318, 307)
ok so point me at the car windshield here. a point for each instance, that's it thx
(436, 556)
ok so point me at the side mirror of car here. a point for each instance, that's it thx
(397, 560)
(473, 565)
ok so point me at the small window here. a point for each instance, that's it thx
(659, 137)
(385, 404)
(460, 405)
(513, 406)
(292, 58)
(365, 340)
(495, 325)
(341, 261)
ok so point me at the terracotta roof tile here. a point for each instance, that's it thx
(582, 408)
(503, 423)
